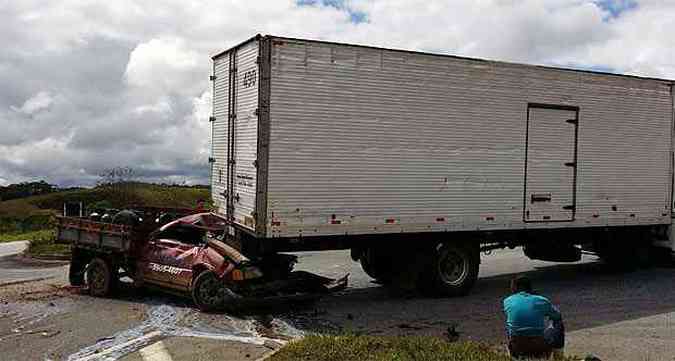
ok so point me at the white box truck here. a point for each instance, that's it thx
(417, 162)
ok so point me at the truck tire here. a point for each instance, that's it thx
(644, 255)
(211, 294)
(76, 269)
(453, 269)
(100, 278)
(375, 264)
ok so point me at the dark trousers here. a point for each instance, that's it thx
(538, 346)
(529, 347)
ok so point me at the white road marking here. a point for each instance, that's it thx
(99, 355)
(155, 352)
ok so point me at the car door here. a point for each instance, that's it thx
(169, 256)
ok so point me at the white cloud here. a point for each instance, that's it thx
(90, 85)
(642, 41)
(37, 102)
(162, 63)
(163, 106)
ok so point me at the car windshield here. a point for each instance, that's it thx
(183, 234)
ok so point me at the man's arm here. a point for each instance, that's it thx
(553, 312)
(505, 308)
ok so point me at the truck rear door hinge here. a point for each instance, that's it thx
(213, 78)
(257, 60)
(257, 112)
(572, 121)
(569, 208)
(212, 119)
(570, 164)
(212, 160)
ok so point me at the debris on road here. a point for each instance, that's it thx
(165, 321)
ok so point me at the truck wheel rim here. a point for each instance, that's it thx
(210, 292)
(452, 267)
(97, 278)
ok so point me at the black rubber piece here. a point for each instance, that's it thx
(76, 269)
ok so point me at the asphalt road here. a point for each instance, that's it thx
(614, 316)
(14, 268)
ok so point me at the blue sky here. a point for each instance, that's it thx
(616, 7)
(354, 15)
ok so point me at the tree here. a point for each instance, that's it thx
(120, 183)
(26, 189)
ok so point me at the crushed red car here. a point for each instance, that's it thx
(186, 256)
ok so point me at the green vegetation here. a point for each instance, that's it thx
(118, 196)
(33, 217)
(43, 243)
(26, 236)
(26, 189)
(381, 348)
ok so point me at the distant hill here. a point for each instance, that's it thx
(26, 189)
(35, 212)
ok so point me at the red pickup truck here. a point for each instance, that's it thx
(185, 256)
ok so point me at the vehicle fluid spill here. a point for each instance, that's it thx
(28, 317)
(175, 321)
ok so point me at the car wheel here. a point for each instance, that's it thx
(454, 268)
(210, 293)
(100, 279)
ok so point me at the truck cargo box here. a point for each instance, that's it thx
(312, 138)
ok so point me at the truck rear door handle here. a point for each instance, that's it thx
(540, 197)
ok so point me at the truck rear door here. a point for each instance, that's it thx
(550, 166)
(235, 133)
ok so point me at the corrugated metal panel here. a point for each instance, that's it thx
(219, 133)
(373, 141)
(241, 116)
(246, 134)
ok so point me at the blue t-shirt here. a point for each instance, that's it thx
(526, 314)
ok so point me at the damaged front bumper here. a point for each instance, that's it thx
(298, 287)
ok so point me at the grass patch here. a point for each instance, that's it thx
(42, 243)
(26, 236)
(381, 348)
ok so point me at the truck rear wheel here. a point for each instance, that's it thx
(100, 278)
(627, 251)
(454, 269)
(374, 263)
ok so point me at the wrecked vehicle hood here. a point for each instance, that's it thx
(247, 282)
(206, 221)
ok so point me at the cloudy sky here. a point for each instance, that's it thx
(90, 85)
